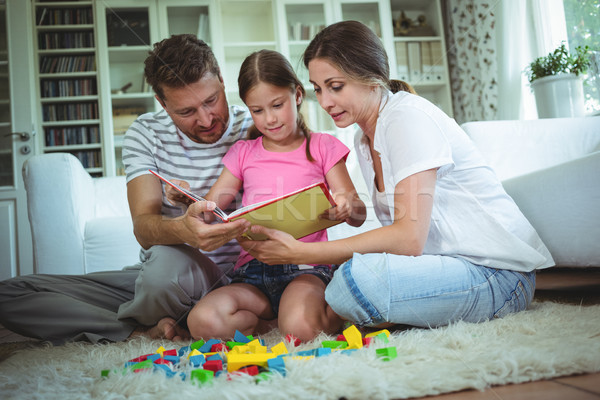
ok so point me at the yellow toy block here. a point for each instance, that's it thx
(241, 349)
(161, 350)
(237, 361)
(353, 337)
(373, 334)
(194, 352)
(257, 348)
(279, 349)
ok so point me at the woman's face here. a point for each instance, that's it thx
(346, 101)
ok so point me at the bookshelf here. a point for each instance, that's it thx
(90, 57)
(66, 82)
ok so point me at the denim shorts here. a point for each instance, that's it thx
(425, 291)
(273, 279)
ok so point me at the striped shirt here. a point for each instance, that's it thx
(154, 142)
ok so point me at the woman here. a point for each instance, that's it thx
(453, 245)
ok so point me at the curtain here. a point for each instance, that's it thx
(490, 43)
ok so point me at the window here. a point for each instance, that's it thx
(582, 18)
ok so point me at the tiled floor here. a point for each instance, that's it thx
(575, 286)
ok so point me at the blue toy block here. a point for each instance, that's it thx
(348, 351)
(197, 361)
(277, 364)
(173, 359)
(182, 351)
(323, 351)
(162, 367)
(215, 357)
(207, 346)
(304, 353)
(197, 345)
(153, 357)
(241, 338)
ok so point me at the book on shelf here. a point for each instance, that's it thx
(437, 58)
(296, 213)
(426, 61)
(402, 61)
(414, 62)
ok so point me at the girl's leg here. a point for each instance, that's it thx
(425, 291)
(303, 311)
(238, 306)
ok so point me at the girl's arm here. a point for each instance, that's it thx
(224, 190)
(413, 203)
(349, 206)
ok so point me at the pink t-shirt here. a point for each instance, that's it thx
(266, 174)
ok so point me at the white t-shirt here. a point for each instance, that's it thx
(472, 217)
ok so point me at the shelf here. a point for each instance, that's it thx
(73, 147)
(61, 28)
(71, 122)
(69, 99)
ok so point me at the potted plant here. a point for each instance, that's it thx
(556, 82)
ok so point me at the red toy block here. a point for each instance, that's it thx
(140, 358)
(213, 365)
(292, 339)
(340, 338)
(163, 361)
(172, 352)
(219, 347)
(367, 341)
(250, 370)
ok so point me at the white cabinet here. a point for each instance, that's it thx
(108, 49)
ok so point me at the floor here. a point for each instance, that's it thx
(575, 286)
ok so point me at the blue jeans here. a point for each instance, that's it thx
(273, 279)
(425, 291)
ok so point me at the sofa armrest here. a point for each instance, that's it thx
(59, 204)
(513, 148)
(563, 205)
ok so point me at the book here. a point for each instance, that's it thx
(296, 213)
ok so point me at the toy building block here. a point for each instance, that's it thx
(165, 369)
(279, 348)
(340, 338)
(207, 346)
(334, 344)
(292, 339)
(202, 376)
(237, 361)
(172, 352)
(353, 337)
(323, 351)
(231, 344)
(144, 365)
(277, 364)
(197, 345)
(197, 360)
(241, 349)
(249, 369)
(386, 353)
(163, 362)
(160, 350)
(263, 376)
(183, 350)
(241, 338)
(216, 356)
(304, 353)
(367, 341)
(213, 365)
(195, 352)
(153, 357)
(173, 359)
(374, 334)
(219, 347)
(140, 358)
(256, 347)
(383, 338)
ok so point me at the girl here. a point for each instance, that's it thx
(282, 156)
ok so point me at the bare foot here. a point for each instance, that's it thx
(166, 328)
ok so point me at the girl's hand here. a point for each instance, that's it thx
(349, 208)
(175, 197)
(279, 248)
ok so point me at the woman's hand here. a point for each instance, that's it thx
(279, 248)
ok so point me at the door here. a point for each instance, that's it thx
(16, 136)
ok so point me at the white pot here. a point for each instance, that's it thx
(559, 96)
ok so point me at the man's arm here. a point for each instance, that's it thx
(150, 227)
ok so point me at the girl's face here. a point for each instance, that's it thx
(345, 100)
(274, 111)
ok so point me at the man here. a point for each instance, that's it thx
(186, 141)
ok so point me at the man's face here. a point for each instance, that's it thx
(199, 109)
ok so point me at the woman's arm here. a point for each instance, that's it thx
(349, 206)
(413, 202)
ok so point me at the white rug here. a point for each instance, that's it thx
(548, 340)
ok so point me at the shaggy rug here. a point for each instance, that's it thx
(546, 341)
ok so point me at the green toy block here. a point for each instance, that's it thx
(383, 338)
(197, 345)
(202, 375)
(334, 344)
(386, 353)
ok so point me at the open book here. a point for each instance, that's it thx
(296, 213)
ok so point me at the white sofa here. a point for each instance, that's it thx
(551, 167)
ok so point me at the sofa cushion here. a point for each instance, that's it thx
(107, 248)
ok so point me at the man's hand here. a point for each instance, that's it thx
(175, 197)
(198, 233)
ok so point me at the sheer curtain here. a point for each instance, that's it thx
(512, 33)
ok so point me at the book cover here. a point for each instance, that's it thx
(296, 213)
